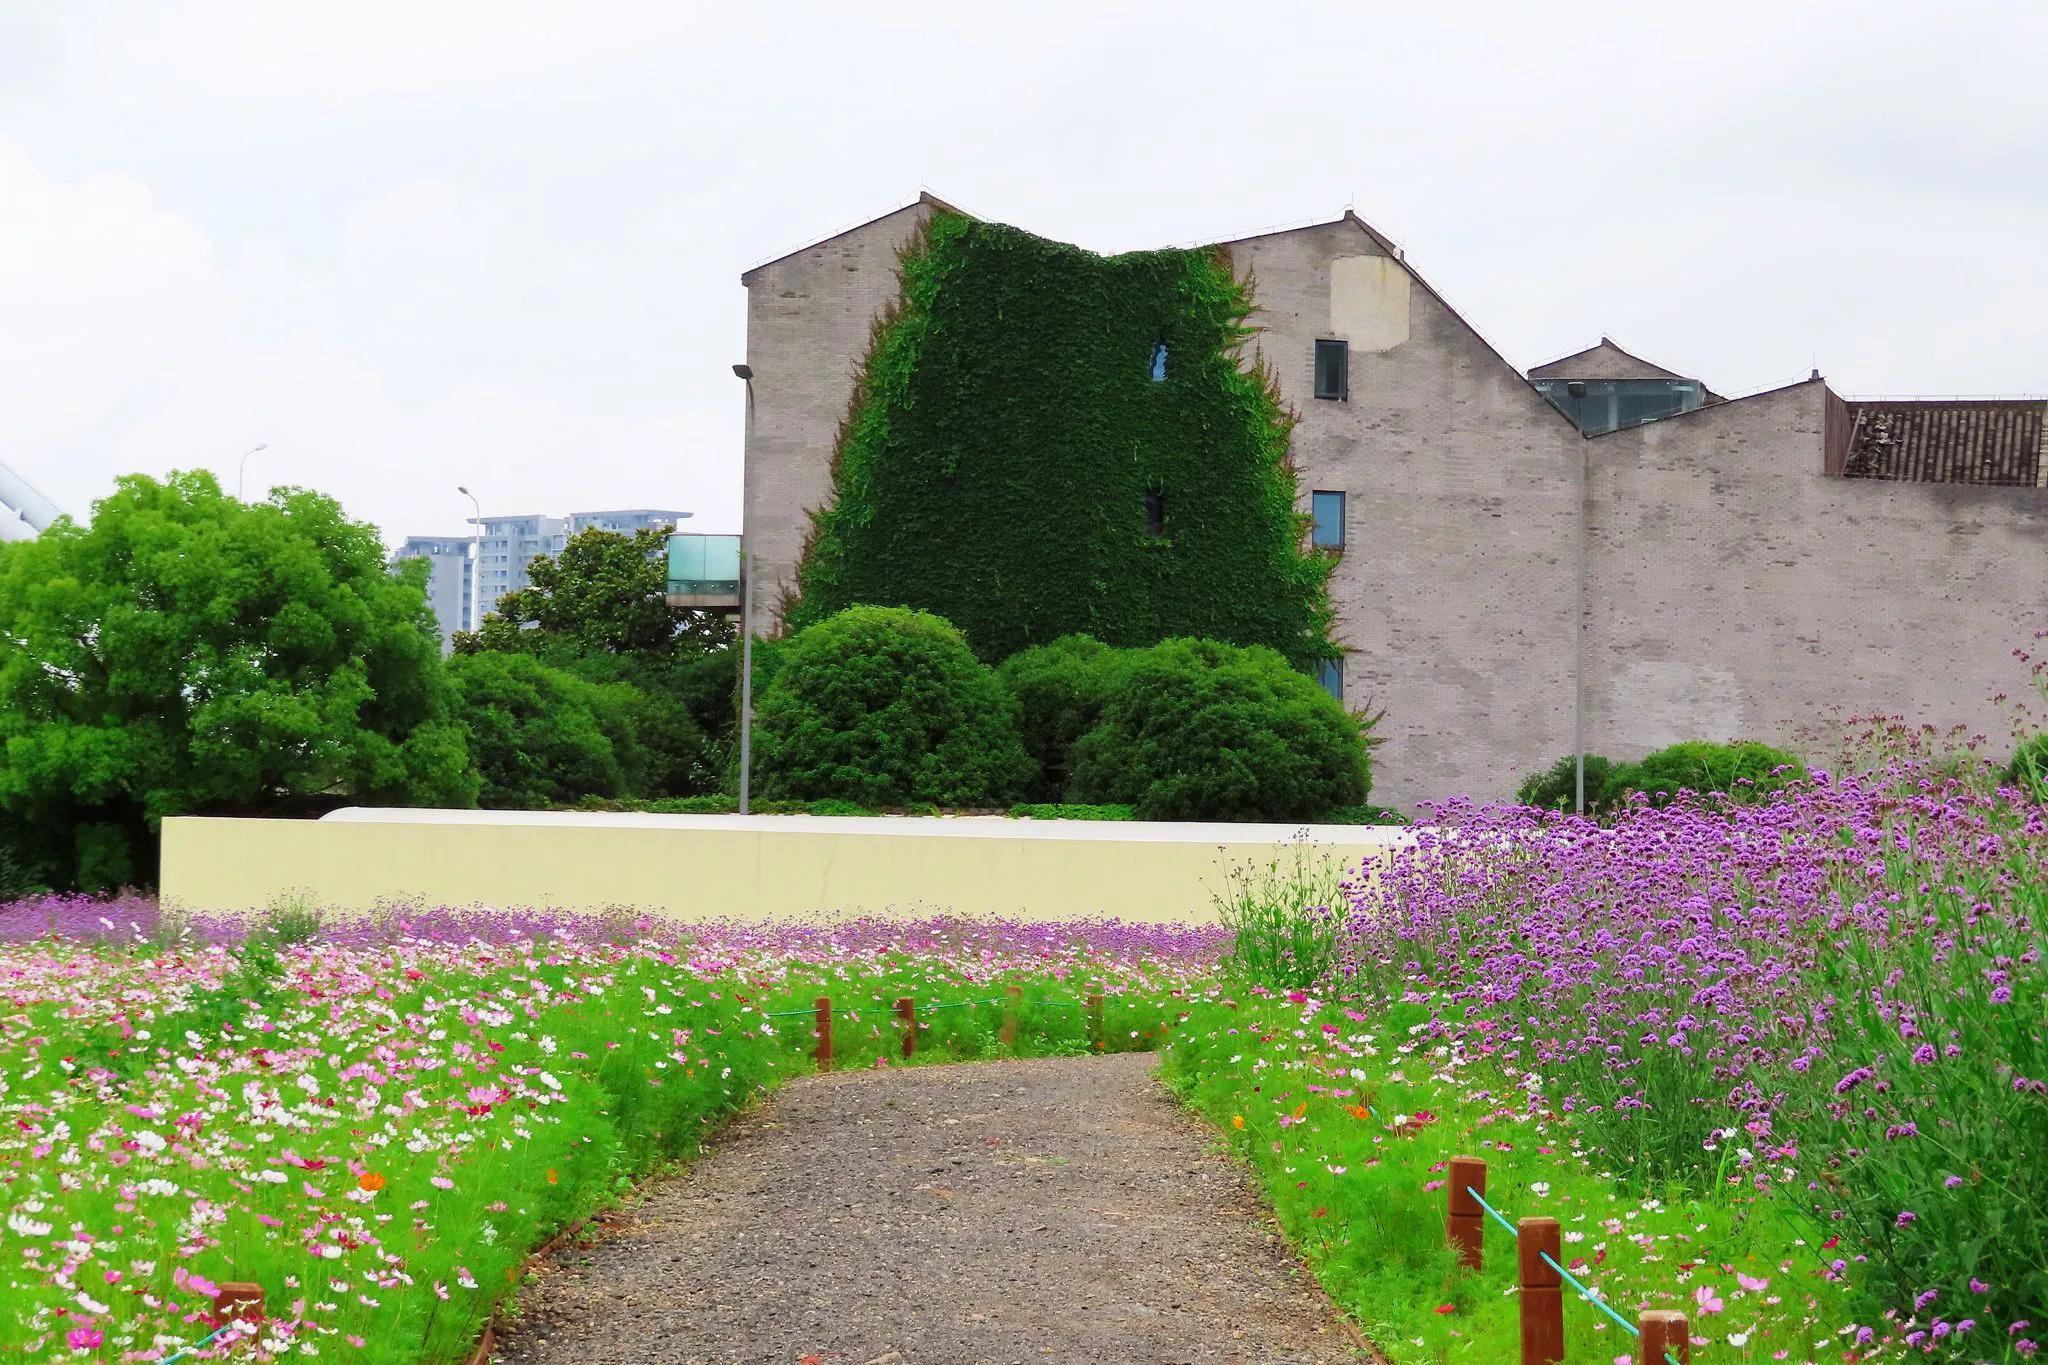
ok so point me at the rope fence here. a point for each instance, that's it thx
(823, 1015)
(1664, 1335)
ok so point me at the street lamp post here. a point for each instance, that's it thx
(242, 473)
(476, 559)
(745, 373)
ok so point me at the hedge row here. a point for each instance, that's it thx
(889, 708)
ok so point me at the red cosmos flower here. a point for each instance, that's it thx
(1446, 1308)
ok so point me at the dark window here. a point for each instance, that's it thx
(1330, 673)
(1155, 514)
(1159, 363)
(1329, 520)
(1333, 369)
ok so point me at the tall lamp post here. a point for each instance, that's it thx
(242, 473)
(1577, 390)
(476, 560)
(746, 373)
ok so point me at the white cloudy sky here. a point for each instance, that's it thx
(415, 243)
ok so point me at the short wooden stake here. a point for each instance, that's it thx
(1013, 997)
(1542, 1293)
(1095, 1020)
(823, 1005)
(238, 1299)
(906, 1014)
(1664, 1333)
(1464, 1220)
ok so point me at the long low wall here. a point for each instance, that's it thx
(701, 867)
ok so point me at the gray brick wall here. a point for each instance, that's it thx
(1453, 591)
(809, 316)
(1733, 589)
(1739, 593)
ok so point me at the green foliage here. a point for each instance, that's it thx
(606, 593)
(542, 737)
(1743, 772)
(188, 652)
(600, 610)
(1006, 432)
(2028, 770)
(1198, 730)
(884, 707)
(1556, 787)
(1286, 918)
(1060, 690)
(1067, 810)
(1363, 815)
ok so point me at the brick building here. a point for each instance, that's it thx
(1743, 565)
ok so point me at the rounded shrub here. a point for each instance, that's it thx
(2028, 770)
(1556, 787)
(1060, 689)
(1743, 772)
(887, 707)
(1199, 730)
(540, 737)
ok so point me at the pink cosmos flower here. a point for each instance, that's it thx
(1709, 1302)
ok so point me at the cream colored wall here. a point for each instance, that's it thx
(695, 868)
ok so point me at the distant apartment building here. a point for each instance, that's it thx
(448, 579)
(461, 594)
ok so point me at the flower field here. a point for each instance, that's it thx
(379, 1123)
(1782, 1066)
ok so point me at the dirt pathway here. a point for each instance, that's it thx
(1016, 1211)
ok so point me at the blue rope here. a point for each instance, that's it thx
(198, 1345)
(1587, 1294)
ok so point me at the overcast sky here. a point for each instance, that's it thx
(416, 243)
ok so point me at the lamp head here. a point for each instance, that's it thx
(744, 371)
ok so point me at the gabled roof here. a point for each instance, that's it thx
(1954, 441)
(1604, 361)
(925, 198)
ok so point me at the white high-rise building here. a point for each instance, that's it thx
(463, 592)
(448, 581)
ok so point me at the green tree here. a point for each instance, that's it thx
(1200, 730)
(1557, 787)
(605, 594)
(600, 610)
(1742, 772)
(887, 707)
(542, 737)
(188, 652)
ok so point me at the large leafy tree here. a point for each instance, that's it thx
(188, 652)
(606, 593)
(600, 610)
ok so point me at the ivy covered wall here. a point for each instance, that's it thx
(1020, 458)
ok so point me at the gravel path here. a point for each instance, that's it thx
(1015, 1211)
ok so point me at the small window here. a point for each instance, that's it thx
(1330, 673)
(1333, 370)
(1329, 520)
(1159, 363)
(1155, 514)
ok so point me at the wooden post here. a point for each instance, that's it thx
(1542, 1291)
(1012, 1006)
(1095, 1019)
(906, 1014)
(1664, 1333)
(1464, 1220)
(823, 1005)
(238, 1299)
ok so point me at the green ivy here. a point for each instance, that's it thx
(1005, 433)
